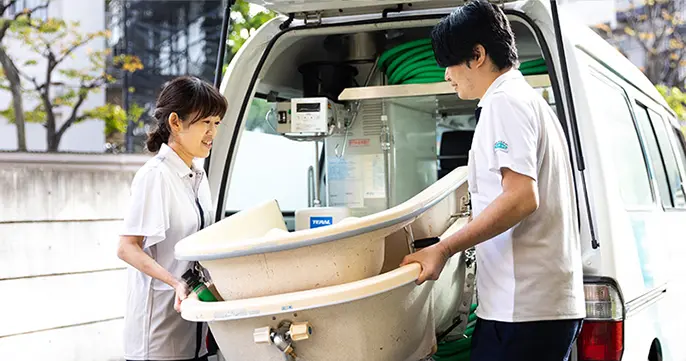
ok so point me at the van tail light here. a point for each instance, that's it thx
(602, 335)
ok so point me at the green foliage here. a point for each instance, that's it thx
(257, 116)
(36, 115)
(243, 23)
(114, 116)
(655, 25)
(676, 100)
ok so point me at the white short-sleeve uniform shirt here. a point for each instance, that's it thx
(168, 199)
(533, 271)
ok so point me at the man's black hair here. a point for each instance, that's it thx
(477, 22)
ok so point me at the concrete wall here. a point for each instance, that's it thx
(87, 136)
(61, 283)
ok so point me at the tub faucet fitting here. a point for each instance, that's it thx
(283, 336)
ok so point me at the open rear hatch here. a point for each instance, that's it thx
(331, 8)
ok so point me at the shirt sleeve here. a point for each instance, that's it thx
(511, 136)
(148, 211)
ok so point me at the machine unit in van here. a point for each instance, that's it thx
(382, 164)
(312, 116)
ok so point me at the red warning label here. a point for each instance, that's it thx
(358, 142)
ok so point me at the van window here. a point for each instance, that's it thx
(681, 151)
(621, 140)
(669, 156)
(681, 147)
(268, 166)
(657, 166)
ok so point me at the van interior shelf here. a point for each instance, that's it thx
(412, 90)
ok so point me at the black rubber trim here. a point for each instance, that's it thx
(425, 242)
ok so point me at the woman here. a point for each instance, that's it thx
(170, 200)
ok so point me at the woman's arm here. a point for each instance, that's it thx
(131, 251)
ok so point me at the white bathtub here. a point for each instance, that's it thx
(332, 278)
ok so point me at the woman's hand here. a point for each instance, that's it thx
(131, 251)
(432, 259)
(181, 294)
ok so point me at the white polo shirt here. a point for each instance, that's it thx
(163, 209)
(533, 271)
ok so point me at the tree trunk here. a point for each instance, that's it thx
(53, 136)
(17, 102)
(53, 141)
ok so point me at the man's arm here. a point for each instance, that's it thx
(518, 200)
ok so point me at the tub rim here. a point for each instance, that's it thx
(311, 237)
(195, 310)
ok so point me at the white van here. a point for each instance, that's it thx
(628, 153)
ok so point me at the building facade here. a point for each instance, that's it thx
(172, 39)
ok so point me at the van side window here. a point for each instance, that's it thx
(621, 142)
(655, 156)
(260, 172)
(669, 156)
(681, 151)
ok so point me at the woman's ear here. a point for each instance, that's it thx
(174, 122)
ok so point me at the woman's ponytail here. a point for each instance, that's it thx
(160, 134)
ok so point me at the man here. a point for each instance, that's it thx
(529, 274)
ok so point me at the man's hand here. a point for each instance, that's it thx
(181, 294)
(432, 259)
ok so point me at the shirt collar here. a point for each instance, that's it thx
(500, 80)
(176, 163)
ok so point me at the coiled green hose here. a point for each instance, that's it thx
(458, 350)
(414, 62)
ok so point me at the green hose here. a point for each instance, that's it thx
(460, 349)
(414, 62)
(394, 51)
(541, 69)
(419, 53)
(532, 64)
(405, 69)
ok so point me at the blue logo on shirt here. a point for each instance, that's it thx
(501, 146)
(316, 222)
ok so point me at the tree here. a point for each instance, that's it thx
(9, 69)
(244, 23)
(656, 26)
(676, 100)
(62, 88)
(116, 121)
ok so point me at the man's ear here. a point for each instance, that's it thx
(479, 55)
(174, 122)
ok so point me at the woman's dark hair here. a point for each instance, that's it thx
(478, 22)
(186, 96)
